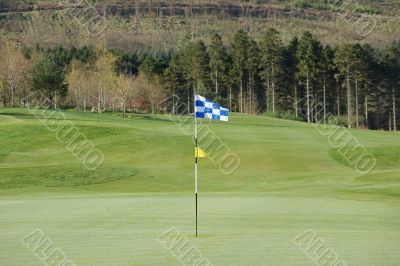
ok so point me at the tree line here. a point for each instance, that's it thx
(303, 79)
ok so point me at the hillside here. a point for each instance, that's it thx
(133, 25)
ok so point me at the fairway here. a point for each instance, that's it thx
(290, 180)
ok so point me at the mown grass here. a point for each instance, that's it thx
(62, 176)
(290, 180)
(274, 154)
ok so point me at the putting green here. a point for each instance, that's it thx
(290, 180)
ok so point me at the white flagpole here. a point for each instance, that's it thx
(195, 158)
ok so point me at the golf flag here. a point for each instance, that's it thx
(204, 108)
(199, 153)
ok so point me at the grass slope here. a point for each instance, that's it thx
(290, 180)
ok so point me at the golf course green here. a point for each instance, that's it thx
(291, 180)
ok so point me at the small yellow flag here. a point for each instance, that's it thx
(199, 153)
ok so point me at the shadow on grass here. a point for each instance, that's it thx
(16, 114)
(62, 176)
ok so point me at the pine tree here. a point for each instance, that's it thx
(173, 80)
(218, 66)
(194, 62)
(151, 67)
(329, 84)
(49, 78)
(308, 57)
(253, 84)
(200, 70)
(238, 51)
(290, 81)
(184, 52)
(391, 64)
(344, 61)
(370, 79)
(271, 64)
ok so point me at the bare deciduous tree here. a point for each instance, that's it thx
(14, 68)
(106, 79)
(124, 91)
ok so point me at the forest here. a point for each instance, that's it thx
(352, 84)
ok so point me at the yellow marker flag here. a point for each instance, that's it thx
(199, 153)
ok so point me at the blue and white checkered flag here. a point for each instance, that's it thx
(204, 108)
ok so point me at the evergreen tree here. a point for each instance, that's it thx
(290, 78)
(152, 67)
(355, 65)
(329, 84)
(271, 65)
(239, 49)
(194, 61)
(218, 64)
(126, 63)
(370, 77)
(173, 80)
(254, 87)
(308, 57)
(185, 53)
(391, 64)
(200, 71)
(49, 79)
(344, 61)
